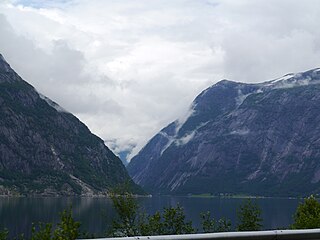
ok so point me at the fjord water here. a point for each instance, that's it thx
(95, 214)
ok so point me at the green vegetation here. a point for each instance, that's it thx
(131, 221)
(67, 228)
(171, 221)
(307, 215)
(249, 216)
(174, 222)
(42, 231)
(211, 225)
(4, 234)
(126, 207)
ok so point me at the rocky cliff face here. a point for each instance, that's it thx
(240, 138)
(46, 150)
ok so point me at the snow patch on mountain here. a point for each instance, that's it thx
(287, 81)
(241, 97)
(189, 136)
(285, 77)
(240, 132)
(278, 81)
(294, 82)
(170, 141)
(185, 139)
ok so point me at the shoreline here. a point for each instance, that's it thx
(37, 196)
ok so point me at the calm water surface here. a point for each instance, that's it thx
(95, 214)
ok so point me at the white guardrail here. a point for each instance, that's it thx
(309, 234)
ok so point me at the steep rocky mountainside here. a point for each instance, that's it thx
(239, 138)
(46, 150)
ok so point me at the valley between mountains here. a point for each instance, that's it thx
(238, 138)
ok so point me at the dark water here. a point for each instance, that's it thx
(95, 214)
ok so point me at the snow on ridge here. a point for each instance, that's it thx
(282, 82)
(277, 81)
(52, 103)
(287, 81)
(204, 92)
(240, 132)
(241, 97)
(294, 82)
(285, 77)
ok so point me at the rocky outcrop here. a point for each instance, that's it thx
(261, 139)
(46, 150)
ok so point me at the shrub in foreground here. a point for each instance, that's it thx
(249, 217)
(307, 215)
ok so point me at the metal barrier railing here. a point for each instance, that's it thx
(309, 234)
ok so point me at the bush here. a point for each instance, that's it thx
(174, 222)
(151, 225)
(67, 228)
(132, 222)
(41, 232)
(249, 217)
(211, 225)
(4, 234)
(307, 215)
(126, 206)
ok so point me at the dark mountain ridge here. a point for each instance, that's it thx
(261, 139)
(45, 150)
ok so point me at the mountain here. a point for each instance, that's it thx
(239, 138)
(45, 150)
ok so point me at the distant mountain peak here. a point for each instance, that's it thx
(241, 138)
(225, 81)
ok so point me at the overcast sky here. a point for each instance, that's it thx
(127, 68)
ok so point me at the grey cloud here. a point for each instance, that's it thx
(127, 68)
(41, 3)
(269, 38)
(59, 75)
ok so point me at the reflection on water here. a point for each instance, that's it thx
(95, 214)
(18, 214)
